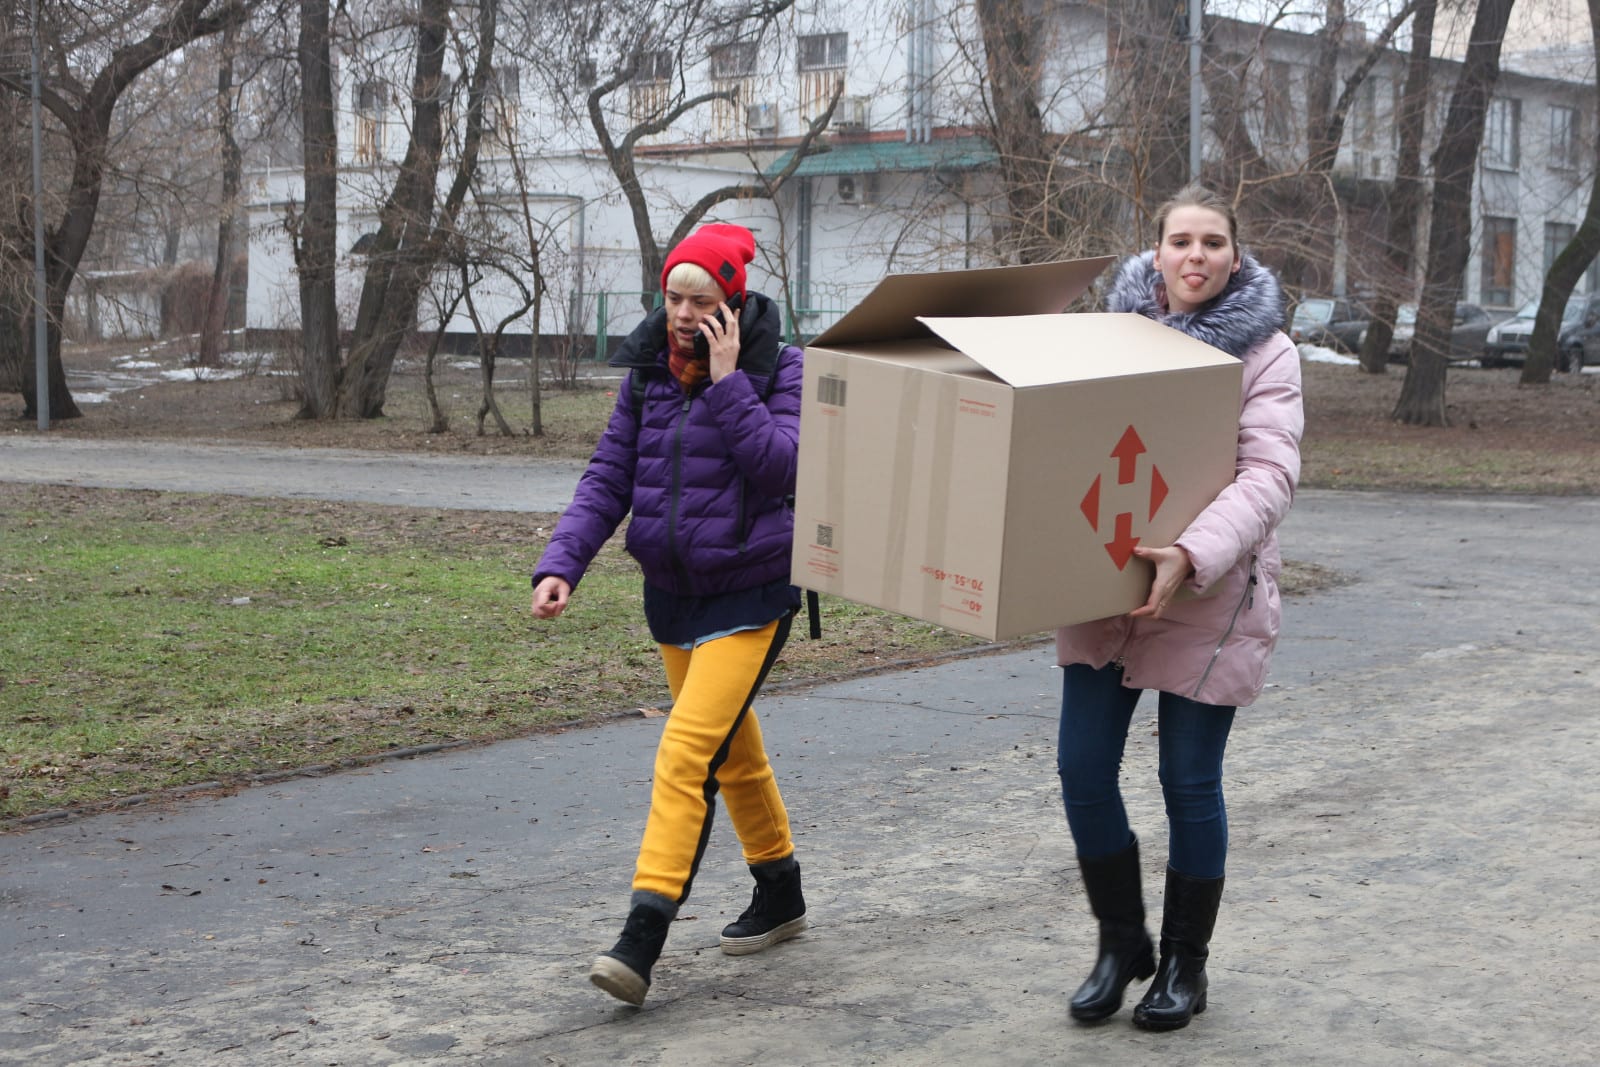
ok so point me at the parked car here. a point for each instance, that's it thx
(1507, 342)
(1467, 332)
(1331, 322)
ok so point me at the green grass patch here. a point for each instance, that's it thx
(150, 640)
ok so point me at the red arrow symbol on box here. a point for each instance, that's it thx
(1122, 546)
(1158, 490)
(1127, 455)
(1090, 505)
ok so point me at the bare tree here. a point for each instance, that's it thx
(1405, 203)
(1569, 265)
(694, 26)
(313, 231)
(85, 111)
(216, 313)
(412, 238)
(1014, 37)
(1148, 80)
(1455, 160)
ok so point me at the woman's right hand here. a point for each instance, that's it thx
(550, 597)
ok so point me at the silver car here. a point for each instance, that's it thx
(1507, 342)
(1467, 332)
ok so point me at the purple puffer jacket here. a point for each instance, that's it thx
(707, 477)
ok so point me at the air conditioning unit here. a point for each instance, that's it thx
(857, 189)
(761, 118)
(852, 113)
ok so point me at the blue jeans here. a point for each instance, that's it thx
(1096, 709)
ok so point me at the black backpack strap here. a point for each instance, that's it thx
(636, 392)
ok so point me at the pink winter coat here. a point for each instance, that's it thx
(1216, 648)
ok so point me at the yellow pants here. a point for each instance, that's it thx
(711, 740)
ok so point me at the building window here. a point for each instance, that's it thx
(1564, 137)
(1502, 134)
(503, 107)
(824, 51)
(1557, 235)
(1278, 102)
(822, 68)
(736, 59)
(369, 122)
(650, 91)
(1364, 114)
(732, 67)
(1499, 261)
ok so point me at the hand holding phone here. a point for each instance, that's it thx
(721, 325)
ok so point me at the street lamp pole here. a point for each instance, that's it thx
(41, 336)
(1194, 90)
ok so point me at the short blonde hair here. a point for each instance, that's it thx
(692, 278)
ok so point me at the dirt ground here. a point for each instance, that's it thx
(149, 391)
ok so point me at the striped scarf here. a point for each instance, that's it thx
(685, 367)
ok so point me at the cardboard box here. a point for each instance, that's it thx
(991, 473)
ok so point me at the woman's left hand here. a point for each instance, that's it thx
(722, 337)
(1173, 568)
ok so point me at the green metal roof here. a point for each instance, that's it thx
(958, 153)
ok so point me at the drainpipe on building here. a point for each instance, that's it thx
(803, 251)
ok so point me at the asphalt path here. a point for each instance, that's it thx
(486, 483)
(1411, 879)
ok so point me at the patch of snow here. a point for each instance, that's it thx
(127, 363)
(1318, 354)
(250, 359)
(203, 374)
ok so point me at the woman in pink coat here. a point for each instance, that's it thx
(1205, 655)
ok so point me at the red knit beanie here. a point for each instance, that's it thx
(721, 249)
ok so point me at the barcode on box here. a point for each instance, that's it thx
(830, 390)
(825, 535)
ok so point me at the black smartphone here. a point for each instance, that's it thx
(702, 347)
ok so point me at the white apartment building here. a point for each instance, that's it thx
(907, 182)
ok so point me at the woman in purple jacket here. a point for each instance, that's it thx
(1205, 655)
(702, 449)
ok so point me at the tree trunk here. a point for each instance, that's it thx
(1567, 269)
(438, 421)
(390, 292)
(1406, 201)
(1149, 78)
(408, 245)
(315, 243)
(216, 317)
(87, 120)
(1013, 34)
(1421, 400)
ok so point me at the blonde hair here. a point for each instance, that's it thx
(689, 277)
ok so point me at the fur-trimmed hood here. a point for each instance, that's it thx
(1247, 311)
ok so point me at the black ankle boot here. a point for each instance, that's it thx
(1178, 992)
(776, 913)
(1112, 885)
(624, 971)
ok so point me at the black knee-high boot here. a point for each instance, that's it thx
(1178, 992)
(1113, 887)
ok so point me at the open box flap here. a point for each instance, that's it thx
(1030, 350)
(890, 312)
